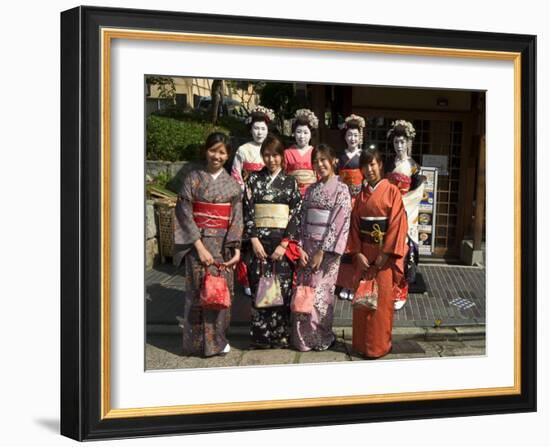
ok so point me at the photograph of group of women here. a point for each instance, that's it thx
(295, 227)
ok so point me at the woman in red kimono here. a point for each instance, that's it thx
(298, 156)
(378, 243)
(350, 173)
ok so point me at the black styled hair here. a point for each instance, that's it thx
(399, 131)
(256, 117)
(301, 121)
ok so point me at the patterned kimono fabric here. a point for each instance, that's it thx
(325, 225)
(299, 166)
(247, 160)
(204, 330)
(378, 225)
(350, 173)
(265, 202)
(406, 176)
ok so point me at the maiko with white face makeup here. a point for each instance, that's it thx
(401, 147)
(259, 132)
(298, 156)
(351, 175)
(248, 158)
(353, 139)
(404, 172)
(302, 135)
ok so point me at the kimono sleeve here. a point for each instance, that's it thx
(237, 169)
(336, 238)
(248, 208)
(186, 231)
(235, 231)
(303, 219)
(292, 231)
(354, 238)
(396, 236)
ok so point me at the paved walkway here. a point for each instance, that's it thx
(447, 320)
(455, 296)
(164, 352)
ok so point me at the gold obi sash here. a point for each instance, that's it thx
(271, 215)
(317, 222)
(304, 176)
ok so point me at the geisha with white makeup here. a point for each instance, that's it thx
(247, 158)
(350, 173)
(298, 156)
(404, 172)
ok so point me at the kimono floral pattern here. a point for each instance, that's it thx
(270, 326)
(204, 330)
(314, 331)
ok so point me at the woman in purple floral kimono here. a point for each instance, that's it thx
(208, 231)
(324, 233)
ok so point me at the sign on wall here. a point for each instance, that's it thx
(427, 212)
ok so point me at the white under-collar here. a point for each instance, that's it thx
(353, 153)
(372, 188)
(273, 176)
(217, 174)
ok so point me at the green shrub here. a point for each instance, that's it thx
(171, 139)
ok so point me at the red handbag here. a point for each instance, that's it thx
(214, 292)
(302, 298)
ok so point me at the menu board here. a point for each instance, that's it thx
(427, 212)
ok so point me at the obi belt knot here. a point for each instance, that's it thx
(374, 229)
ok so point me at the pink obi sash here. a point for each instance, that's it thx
(212, 215)
(351, 176)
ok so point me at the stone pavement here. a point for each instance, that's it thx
(164, 352)
(455, 296)
(447, 320)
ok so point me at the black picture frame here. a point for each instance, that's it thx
(82, 208)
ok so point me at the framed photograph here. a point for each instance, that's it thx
(156, 107)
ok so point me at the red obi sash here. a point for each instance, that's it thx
(212, 215)
(402, 181)
(351, 176)
(252, 167)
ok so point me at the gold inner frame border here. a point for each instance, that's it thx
(107, 35)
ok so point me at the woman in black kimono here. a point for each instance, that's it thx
(271, 212)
